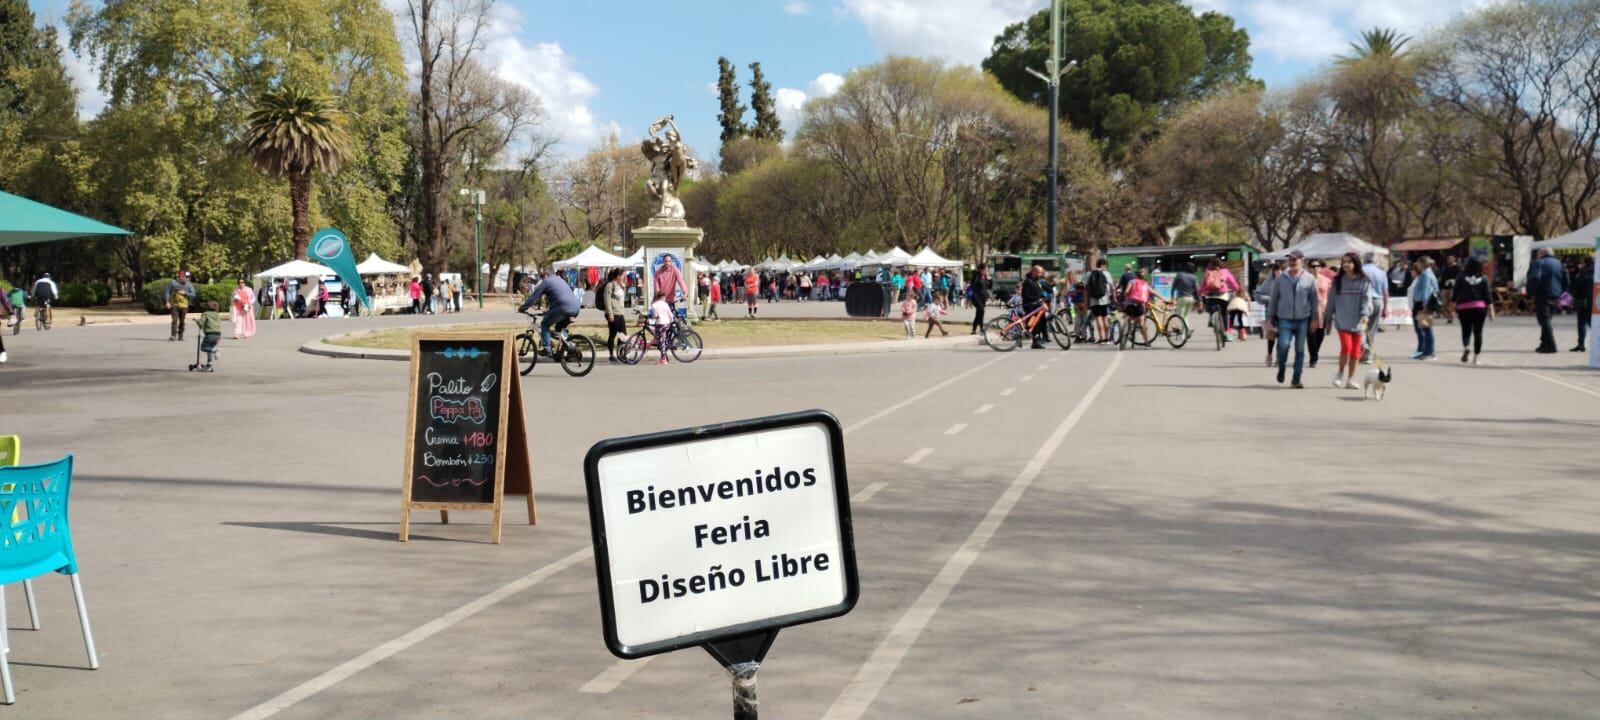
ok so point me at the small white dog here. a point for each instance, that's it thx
(1377, 383)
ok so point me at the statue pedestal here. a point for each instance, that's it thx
(663, 239)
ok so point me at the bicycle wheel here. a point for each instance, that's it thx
(633, 348)
(1001, 336)
(38, 320)
(1218, 330)
(577, 355)
(1058, 328)
(1177, 332)
(1114, 331)
(686, 346)
(1151, 330)
(526, 356)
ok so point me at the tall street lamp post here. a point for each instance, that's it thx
(1052, 77)
(477, 243)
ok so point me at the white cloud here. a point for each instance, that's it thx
(795, 7)
(789, 101)
(86, 77)
(1316, 30)
(960, 31)
(826, 84)
(551, 74)
(711, 89)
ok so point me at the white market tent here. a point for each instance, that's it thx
(590, 257)
(375, 265)
(930, 259)
(699, 265)
(636, 259)
(298, 269)
(1583, 237)
(895, 257)
(1326, 246)
(814, 264)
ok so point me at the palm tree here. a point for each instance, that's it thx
(293, 133)
(1384, 43)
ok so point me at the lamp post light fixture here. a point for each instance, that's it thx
(476, 197)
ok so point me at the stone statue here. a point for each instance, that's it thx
(669, 161)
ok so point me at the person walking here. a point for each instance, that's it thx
(614, 302)
(1547, 281)
(1583, 300)
(427, 293)
(1424, 303)
(1134, 303)
(805, 286)
(1098, 289)
(1349, 309)
(1185, 291)
(936, 309)
(908, 312)
(1473, 306)
(1319, 330)
(752, 293)
(980, 288)
(7, 311)
(180, 293)
(713, 299)
(243, 311)
(416, 295)
(1378, 286)
(1292, 305)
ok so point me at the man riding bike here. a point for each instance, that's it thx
(44, 293)
(563, 305)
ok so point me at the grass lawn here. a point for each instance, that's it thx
(729, 333)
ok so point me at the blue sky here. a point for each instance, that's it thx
(603, 66)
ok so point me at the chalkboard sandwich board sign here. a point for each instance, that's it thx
(466, 444)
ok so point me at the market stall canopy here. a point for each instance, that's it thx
(1328, 245)
(375, 265)
(895, 257)
(24, 221)
(929, 258)
(699, 265)
(296, 269)
(1425, 244)
(815, 264)
(1583, 237)
(637, 258)
(591, 257)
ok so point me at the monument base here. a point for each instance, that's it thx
(670, 240)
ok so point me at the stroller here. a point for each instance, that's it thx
(205, 343)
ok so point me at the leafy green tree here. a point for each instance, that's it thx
(731, 116)
(1138, 62)
(294, 133)
(767, 127)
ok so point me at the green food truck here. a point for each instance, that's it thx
(1007, 269)
(1172, 258)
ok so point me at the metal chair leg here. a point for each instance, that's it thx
(33, 608)
(5, 649)
(83, 619)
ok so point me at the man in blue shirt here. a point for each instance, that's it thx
(1378, 288)
(1547, 281)
(563, 304)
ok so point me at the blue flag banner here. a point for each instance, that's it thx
(332, 248)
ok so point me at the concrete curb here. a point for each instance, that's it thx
(323, 348)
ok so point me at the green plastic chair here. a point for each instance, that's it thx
(35, 540)
(10, 450)
(11, 454)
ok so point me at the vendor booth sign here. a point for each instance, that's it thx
(1397, 312)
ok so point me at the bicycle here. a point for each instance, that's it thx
(679, 339)
(41, 317)
(1007, 333)
(574, 352)
(1159, 318)
(1217, 311)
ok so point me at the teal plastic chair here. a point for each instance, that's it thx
(35, 540)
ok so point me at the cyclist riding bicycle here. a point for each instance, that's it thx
(44, 293)
(1218, 287)
(564, 305)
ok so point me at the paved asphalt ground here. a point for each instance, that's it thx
(1045, 534)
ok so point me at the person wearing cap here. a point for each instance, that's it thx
(180, 292)
(1293, 302)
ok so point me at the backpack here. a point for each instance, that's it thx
(1098, 285)
(600, 295)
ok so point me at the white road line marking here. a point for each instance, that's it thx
(611, 677)
(1043, 367)
(399, 644)
(1557, 381)
(875, 672)
(896, 407)
(1007, 391)
(1026, 378)
(867, 492)
(983, 409)
(917, 456)
(956, 428)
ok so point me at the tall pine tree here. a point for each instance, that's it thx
(767, 126)
(732, 115)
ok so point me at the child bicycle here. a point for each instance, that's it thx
(684, 343)
(574, 352)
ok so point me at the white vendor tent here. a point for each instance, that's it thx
(636, 259)
(296, 269)
(930, 259)
(815, 264)
(375, 265)
(895, 257)
(1583, 237)
(590, 257)
(1328, 245)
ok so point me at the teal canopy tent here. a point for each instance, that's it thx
(24, 221)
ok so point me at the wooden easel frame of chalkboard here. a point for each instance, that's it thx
(513, 469)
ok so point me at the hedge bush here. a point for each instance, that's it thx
(153, 296)
(75, 295)
(102, 293)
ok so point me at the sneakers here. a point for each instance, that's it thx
(1465, 353)
(1296, 385)
(1426, 358)
(1416, 355)
(1338, 380)
(2, 356)
(1477, 360)
(1280, 375)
